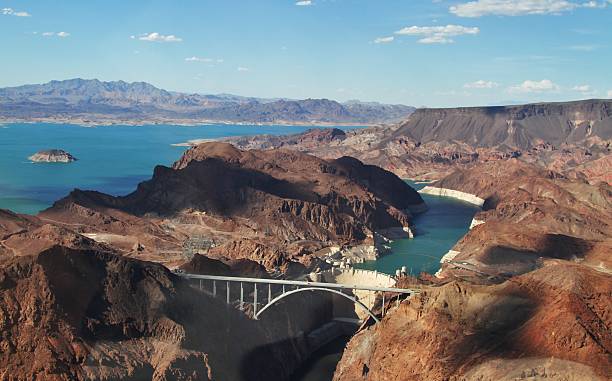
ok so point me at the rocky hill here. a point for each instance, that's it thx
(94, 101)
(518, 127)
(52, 156)
(530, 214)
(71, 314)
(574, 138)
(273, 207)
(553, 324)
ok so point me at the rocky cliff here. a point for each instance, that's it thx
(273, 207)
(73, 314)
(553, 323)
(524, 294)
(528, 214)
(573, 138)
(521, 127)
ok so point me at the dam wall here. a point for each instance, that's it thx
(357, 277)
(463, 196)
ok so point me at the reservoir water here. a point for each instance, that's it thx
(112, 159)
(437, 231)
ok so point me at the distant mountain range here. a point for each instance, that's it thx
(92, 101)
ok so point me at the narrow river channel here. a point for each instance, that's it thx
(437, 231)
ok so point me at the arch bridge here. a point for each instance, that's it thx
(261, 294)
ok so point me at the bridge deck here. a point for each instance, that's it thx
(290, 287)
(302, 283)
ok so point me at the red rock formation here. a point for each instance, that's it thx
(530, 213)
(552, 323)
(268, 206)
(571, 137)
(74, 314)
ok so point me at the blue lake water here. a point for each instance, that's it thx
(112, 159)
(437, 231)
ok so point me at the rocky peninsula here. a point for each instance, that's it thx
(52, 156)
(279, 208)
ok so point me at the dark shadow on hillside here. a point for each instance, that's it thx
(519, 261)
(288, 325)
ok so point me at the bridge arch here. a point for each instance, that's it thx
(284, 295)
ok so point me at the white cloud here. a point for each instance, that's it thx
(198, 59)
(304, 3)
(384, 40)
(529, 86)
(582, 88)
(56, 34)
(157, 37)
(481, 84)
(437, 34)
(436, 40)
(609, 93)
(242, 68)
(12, 12)
(480, 8)
(583, 48)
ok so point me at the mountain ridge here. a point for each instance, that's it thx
(100, 101)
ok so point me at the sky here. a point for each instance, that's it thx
(417, 52)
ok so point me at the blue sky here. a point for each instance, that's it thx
(416, 52)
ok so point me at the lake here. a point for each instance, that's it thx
(437, 231)
(112, 159)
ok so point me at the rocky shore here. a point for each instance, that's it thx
(445, 192)
(280, 208)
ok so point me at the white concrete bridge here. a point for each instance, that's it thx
(262, 294)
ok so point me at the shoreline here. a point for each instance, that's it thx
(177, 122)
(452, 193)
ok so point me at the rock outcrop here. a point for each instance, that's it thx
(52, 156)
(273, 207)
(78, 314)
(574, 138)
(529, 214)
(553, 323)
(522, 127)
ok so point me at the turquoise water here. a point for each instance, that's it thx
(112, 159)
(437, 231)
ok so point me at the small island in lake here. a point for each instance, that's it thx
(52, 156)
